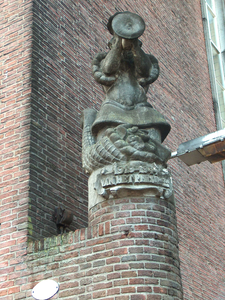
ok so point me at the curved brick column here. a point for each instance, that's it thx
(146, 262)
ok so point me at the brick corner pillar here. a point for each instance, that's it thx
(143, 228)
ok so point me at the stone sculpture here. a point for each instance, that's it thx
(122, 147)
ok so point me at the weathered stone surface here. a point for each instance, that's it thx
(134, 178)
(126, 130)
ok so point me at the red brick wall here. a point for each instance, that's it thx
(15, 91)
(59, 95)
(130, 253)
(66, 35)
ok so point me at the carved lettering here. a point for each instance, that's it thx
(143, 169)
(118, 169)
(129, 169)
(118, 179)
(108, 181)
(131, 179)
(131, 174)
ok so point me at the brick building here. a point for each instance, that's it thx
(46, 82)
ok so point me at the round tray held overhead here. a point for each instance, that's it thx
(45, 289)
(128, 25)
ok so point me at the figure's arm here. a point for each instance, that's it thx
(146, 65)
(153, 73)
(98, 73)
(111, 64)
(106, 65)
(141, 60)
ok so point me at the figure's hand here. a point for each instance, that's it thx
(127, 44)
(116, 42)
(153, 75)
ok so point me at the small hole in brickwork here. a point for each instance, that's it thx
(126, 232)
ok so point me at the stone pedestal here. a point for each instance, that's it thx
(131, 202)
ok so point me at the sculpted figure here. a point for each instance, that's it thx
(125, 72)
(126, 128)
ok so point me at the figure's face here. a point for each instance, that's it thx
(126, 44)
